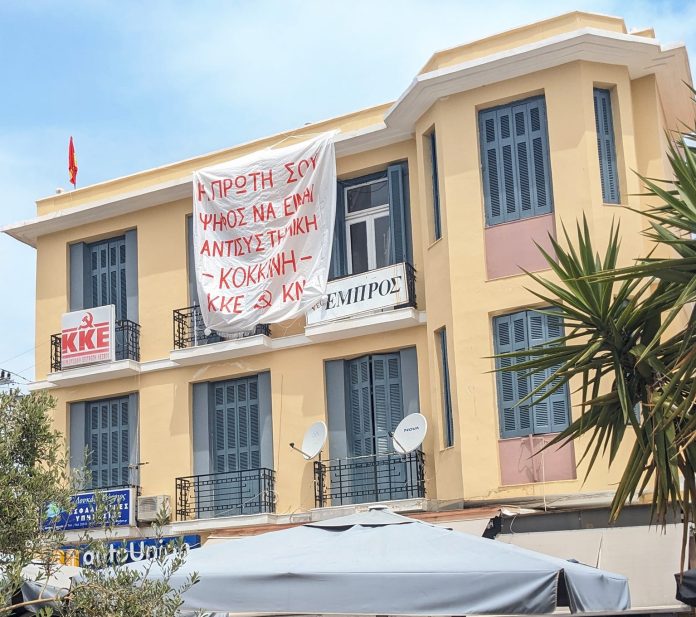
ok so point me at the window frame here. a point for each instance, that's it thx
(528, 381)
(435, 182)
(608, 167)
(536, 208)
(446, 386)
(367, 216)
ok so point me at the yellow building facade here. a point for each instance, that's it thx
(493, 146)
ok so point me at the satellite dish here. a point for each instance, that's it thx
(314, 440)
(410, 433)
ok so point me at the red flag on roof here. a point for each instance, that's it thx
(72, 163)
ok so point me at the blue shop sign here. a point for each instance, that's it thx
(129, 551)
(82, 514)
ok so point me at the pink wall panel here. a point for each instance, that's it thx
(510, 246)
(518, 466)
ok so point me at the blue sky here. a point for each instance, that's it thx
(141, 84)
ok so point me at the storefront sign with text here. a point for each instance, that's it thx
(87, 336)
(369, 291)
(262, 234)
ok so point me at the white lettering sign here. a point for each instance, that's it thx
(87, 336)
(369, 291)
(263, 229)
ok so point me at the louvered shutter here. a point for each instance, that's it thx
(361, 432)
(398, 202)
(559, 401)
(387, 399)
(520, 342)
(236, 425)
(108, 275)
(515, 161)
(339, 265)
(490, 164)
(507, 381)
(108, 433)
(538, 336)
(606, 147)
(542, 198)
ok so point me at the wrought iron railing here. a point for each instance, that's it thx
(127, 335)
(411, 284)
(363, 479)
(190, 331)
(225, 494)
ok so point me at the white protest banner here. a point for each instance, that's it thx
(262, 234)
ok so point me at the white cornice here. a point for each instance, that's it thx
(641, 55)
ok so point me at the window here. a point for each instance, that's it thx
(606, 147)
(437, 223)
(515, 161)
(106, 272)
(236, 436)
(372, 222)
(109, 436)
(375, 402)
(516, 332)
(368, 227)
(448, 421)
(107, 263)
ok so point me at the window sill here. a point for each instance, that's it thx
(520, 220)
(436, 242)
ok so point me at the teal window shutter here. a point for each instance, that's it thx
(235, 425)
(515, 161)
(107, 264)
(360, 412)
(398, 211)
(606, 147)
(108, 435)
(448, 421)
(387, 399)
(190, 262)
(339, 258)
(517, 332)
(437, 222)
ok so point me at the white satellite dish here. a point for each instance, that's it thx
(410, 433)
(314, 440)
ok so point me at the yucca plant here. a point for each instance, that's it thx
(625, 349)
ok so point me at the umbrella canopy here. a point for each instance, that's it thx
(686, 587)
(379, 562)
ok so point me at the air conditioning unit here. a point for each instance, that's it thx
(149, 507)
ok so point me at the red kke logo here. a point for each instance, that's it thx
(87, 337)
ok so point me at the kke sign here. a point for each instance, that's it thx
(369, 291)
(262, 234)
(87, 336)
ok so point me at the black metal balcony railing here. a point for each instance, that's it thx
(225, 494)
(127, 334)
(189, 329)
(411, 283)
(377, 477)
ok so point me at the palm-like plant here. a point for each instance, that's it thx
(626, 349)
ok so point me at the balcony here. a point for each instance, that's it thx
(127, 334)
(367, 303)
(189, 330)
(369, 478)
(225, 494)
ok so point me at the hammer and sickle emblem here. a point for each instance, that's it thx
(87, 321)
(264, 300)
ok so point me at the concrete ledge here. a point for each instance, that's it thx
(94, 372)
(368, 323)
(226, 350)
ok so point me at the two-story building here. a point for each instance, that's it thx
(493, 146)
